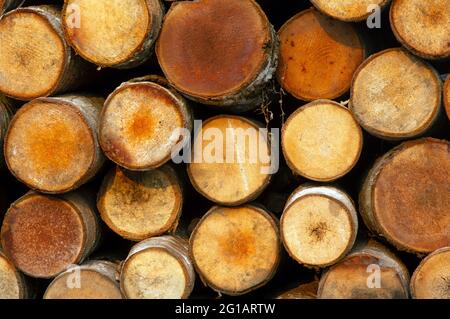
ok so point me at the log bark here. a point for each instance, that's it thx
(52, 143)
(42, 235)
(405, 196)
(35, 59)
(303, 291)
(221, 53)
(114, 34)
(13, 284)
(348, 10)
(323, 68)
(235, 250)
(319, 225)
(158, 268)
(395, 95)
(7, 5)
(447, 96)
(321, 141)
(6, 113)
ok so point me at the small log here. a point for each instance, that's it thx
(447, 96)
(141, 123)
(395, 95)
(303, 291)
(349, 10)
(52, 144)
(35, 59)
(139, 205)
(321, 141)
(318, 56)
(231, 160)
(158, 268)
(371, 271)
(118, 34)
(422, 27)
(7, 5)
(6, 113)
(431, 279)
(222, 53)
(405, 196)
(12, 283)
(319, 225)
(96, 279)
(235, 250)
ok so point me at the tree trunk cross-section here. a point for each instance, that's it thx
(12, 282)
(348, 10)
(6, 113)
(447, 96)
(303, 291)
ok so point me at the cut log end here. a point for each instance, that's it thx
(395, 95)
(235, 250)
(303, 291)
(322, 141)
(447, 96)
(323, 69)
(348, 10)
(11, 281)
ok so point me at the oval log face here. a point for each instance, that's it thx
(11, 285)
(348, 10)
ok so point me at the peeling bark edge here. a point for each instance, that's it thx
(10, 4)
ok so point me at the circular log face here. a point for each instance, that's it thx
(32, 55)
(235, 250)
(318, 56)
(321, 141)
(10, 284)
(213, 48)
(395, 95)
(447, 96)
(50, 146)
(422, 26)
(348, 10)
(431, 279)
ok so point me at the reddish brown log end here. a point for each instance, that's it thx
(447, 96)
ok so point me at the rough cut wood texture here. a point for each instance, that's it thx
(6, 113)
(235, 250)
(52, 144)
(321, 141)
(318, 56)
(95, 279)
(422, 26)
(447, 96)
(158, 268)
(6, 5)
(218, 52)
(348, 10)
(139, 205)
(35, 59)
(12, 282)
(395, 95)
(405, 197)
(42, 235)
(354, 277)
(431, 279)
(319, 225)
(113, 33)
(303, 291)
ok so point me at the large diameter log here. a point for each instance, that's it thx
(405, 197)
(139, 205)
(371, 271)
(447, 96)
(319, 225)
(6, 113)
(216, 52)
(231, 160)
(395, 95)
(35, 59)
(431, 279)
(116, 33)
(42, 234)
(97, 279)
(321, 141)
(6, 5)
(52, 144)
(303, 291)
(235, 250)
(158, 268)
(12, 282)
(422, 26)
(349, 10)
(324, 67)
(141, 123)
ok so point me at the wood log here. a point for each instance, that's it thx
(12, 283)
(319, 225)
(118, 34)
(348, 10)
(52, 144)
(321, 141)
(235, 250)
(222, 53)
(42, 235)
(35, 59)
(231, 160)
(431, 279)
(139, 205)
(371, 271)
(158, 268)
(7, 5)
(395, 95)
(96, 279)
(318, 56)
(303, 291)
(141, 123)
(6, 113)
(422, 27)
(447, 96)
(405, 196)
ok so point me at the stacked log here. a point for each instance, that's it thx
(303, 291)
(12, 283)
(349, 10)
(6, 113)
(447, 96)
